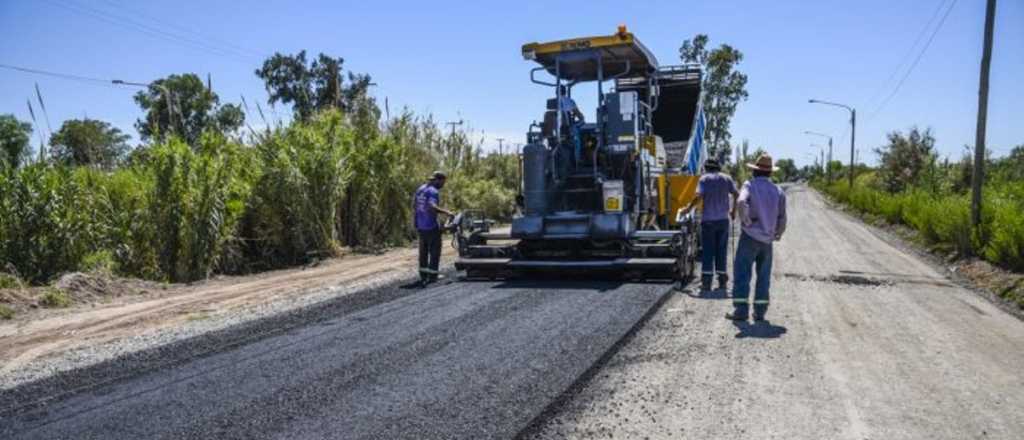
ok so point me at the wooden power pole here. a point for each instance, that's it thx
(979, 136)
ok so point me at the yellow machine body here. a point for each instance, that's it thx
(675, 191)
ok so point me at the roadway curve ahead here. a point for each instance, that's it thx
(865, 341)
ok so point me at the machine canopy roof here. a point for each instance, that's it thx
(620, 54)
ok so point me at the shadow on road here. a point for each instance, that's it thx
(759, 329)
(412, 285)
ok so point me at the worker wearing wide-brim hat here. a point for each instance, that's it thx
(426, 205)
(762, 213)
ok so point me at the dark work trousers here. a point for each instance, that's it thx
(430, 254)
(751, 253)
(714, 237)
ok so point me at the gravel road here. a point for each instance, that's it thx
(460, 360)
(864, 341)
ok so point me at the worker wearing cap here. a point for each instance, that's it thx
(425, 206)
(714, 190)
(762, 212)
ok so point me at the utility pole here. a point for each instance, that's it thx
(979, 135)
(828, 169)
(853, 131)
(822, 163)
(501, 142)
(453, 124)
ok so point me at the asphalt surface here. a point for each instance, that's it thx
(864, 341)
(459, 360)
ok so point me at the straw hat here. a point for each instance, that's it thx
(763, 163)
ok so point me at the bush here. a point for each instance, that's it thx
(48, 219)
(101, 261)
(8, 281)
(195, 204)
(6, 312)
(944, 218)
(291, 213)
(55, 298)
(1006, 235)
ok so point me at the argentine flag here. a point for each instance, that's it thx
(696, 159)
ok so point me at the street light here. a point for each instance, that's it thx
(853, 129)
(827, 168)
(167, 96)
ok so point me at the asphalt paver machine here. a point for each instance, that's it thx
(606, 194)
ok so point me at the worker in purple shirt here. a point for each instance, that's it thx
(425, 206)
(714, 190)
(762, 212)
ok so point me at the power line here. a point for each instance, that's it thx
(910, 51)
(149, 30)
(916, 60)
(67, 76)
(121, 6)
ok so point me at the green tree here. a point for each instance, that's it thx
(89, 142)
(194, 109)
(787, 170)
(311, 87)
(1011, 167)
(905, 159)
(14, 140)
(724, 88)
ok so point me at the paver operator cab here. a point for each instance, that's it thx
(605, 193)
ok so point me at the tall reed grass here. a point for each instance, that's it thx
(298, 192)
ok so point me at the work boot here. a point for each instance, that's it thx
(735, 316)
(723, 281)
(758, 318)
(705, 283)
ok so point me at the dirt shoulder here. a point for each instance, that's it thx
(1002, 287)
(119, 313)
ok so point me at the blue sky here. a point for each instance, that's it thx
(462, 59)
